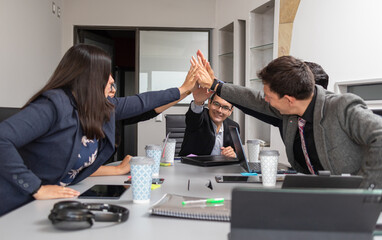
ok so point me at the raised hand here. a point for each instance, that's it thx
(205, 64)
(201, 95)
(190, 81)
(203, 77)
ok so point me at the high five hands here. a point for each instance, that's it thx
(204, 76)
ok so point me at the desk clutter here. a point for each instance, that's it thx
(172, 205)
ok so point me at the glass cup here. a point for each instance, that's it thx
(169, 151)
(253, 146)
(141, 177)
(269, 161)
(154, 152)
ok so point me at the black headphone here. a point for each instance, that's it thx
(73, 215)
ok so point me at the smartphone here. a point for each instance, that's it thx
(104, 192)
(154, 181)
(242, 179)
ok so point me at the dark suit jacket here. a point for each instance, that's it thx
(199, 137)
(40, 144)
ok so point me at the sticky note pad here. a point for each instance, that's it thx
(155, 186)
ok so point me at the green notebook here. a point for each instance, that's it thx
(171, 205)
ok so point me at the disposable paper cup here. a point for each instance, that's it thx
(169, 151)
(253, 150)
(154, 152)
(269, 160)
(141, 177)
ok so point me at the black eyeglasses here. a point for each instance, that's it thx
(218, 105)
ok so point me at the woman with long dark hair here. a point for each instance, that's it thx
(66, 131)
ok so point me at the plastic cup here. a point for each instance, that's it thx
(169, 151)
(269, 160)
(253, 150)
(141, 177)
(154, 152)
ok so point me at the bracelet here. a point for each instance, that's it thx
(214, 84)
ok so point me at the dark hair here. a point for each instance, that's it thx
(287, 75)
(320, 76)
(213, 96)
(84, 70)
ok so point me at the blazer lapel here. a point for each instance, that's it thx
(319, 131)
(290, 128)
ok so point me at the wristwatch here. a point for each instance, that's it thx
(213, 86)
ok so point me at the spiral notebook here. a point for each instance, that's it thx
(170, 205)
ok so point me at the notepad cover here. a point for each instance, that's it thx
(171, 205)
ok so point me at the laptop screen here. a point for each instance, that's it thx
(240, 154)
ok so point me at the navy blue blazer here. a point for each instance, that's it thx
(40, 144)
(199, 137)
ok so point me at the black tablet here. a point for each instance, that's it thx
(243, 179)
(104, 191)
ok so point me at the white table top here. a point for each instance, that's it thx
(31, 222)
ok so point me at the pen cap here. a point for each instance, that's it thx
(141, 161)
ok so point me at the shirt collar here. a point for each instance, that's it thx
(308, 114)
(221, 128)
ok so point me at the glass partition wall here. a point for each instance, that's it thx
(164, 57)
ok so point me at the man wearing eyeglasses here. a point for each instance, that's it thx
(207, 128)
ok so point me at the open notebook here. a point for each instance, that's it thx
(171, 205)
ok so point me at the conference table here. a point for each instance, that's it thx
(30, 222)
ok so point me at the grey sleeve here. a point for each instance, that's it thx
(248, 98)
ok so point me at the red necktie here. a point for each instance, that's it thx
(301, 125)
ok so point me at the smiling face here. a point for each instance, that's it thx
(219, 109)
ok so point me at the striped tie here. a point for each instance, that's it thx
(301, 124)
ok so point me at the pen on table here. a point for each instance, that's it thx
(188, 186)
(165, 164)
(208, 200)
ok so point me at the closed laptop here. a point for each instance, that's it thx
(314, 181)
(314, 214)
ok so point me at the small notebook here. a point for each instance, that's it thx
(171, 205)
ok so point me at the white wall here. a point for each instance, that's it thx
(228, 11)
(30, 48)
(343, 36)
(136, 13)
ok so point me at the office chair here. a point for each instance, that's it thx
(176, 124)
(6, 112)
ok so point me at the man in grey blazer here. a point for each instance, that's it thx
(321, 130)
